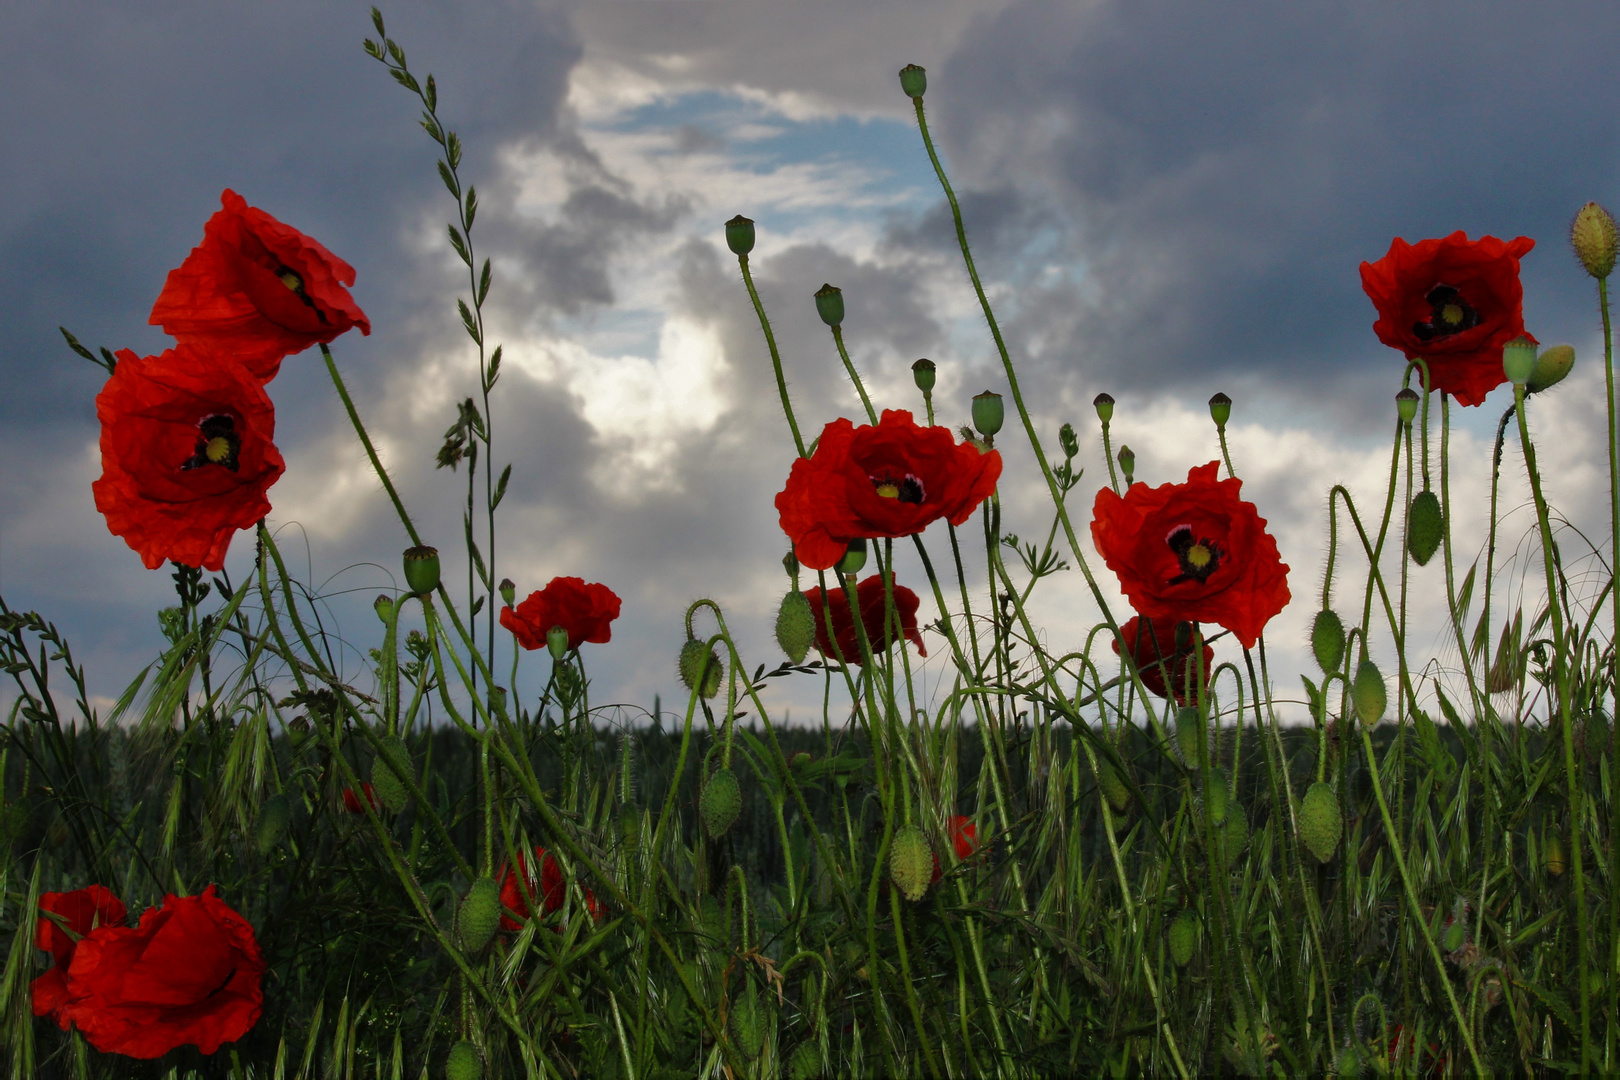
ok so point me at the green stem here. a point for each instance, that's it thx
(371, 451)
(854, 377)
(776, 356)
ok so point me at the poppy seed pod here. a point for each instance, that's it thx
(1104, 404)
(1519, 360)
(383, 606)
(740, 235)
(1406, 403)
(1592, 234)
(854, 557)
(988, 413)
(830, 304)
(1551, 367)
(508, 591)
(557, 642)
(1370, 695)
(790, 563)
(1220, 410)
(913, 80)
(1068, 440)
(422, 569)
(922, 373)
(1127, 463)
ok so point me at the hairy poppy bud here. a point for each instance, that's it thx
(383, 606)
(1552, 854)
(1113, 787)
(1320, 821)
(1424, 527)
(1519, 360)
(747, 1022)
(1068, 440)
(1215, 796)
(1104, 404)
(508, 591)
(795, 626)
(1593, 236)
(988, 413)
(1234, 834)
(854, 557)
(913, 80)
(1370, 695)
(273, 818)
(700, 667)
(1188, 732)
(1127, 464)
(557, 642)
(479, 913)
(740, 235)
(922, 373)
(805, 1063)
(1220, 410)
(1406, 403)
(388, 772)
(790, 563)
(1182, 937)
(911, 862)
(1551, 367)
(422, 569)
(463, 1062)
(800, 761)
(1327, 640)
(721, 802)
(830, 304)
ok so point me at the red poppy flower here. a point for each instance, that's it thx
(1154, 653)
(1455, 302)
(869, 594)
(83, 910)
(585, 611)
(189, 974)
(1193, 552)
(890, 480)
(548, 889)
(257, 290)
(351, 801)
(186, 455)
(964, 838)
(1403, 1053)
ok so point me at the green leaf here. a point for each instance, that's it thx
(478, 605)
(500, 487)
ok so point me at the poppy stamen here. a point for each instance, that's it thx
(217, 444)
(907, 489)
(1198, 558)
(1449, 314)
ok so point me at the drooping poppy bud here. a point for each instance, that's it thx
(463, 1063)
(1551, 367)
(478, 914)
(913, 80)
(422, 569)
(700, 667)
(274, 816)
(830, 304)
(388, 772)
(740, 235)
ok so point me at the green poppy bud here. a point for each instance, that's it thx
(388, 772)
(557, 642)
(790, 563)
(922, 372)
(988, 413)
(795, 626)
(1104, 404)
(1327, 640)
(1551, 367)
(854, 557)
(1068, 440)
(507, 590)
(463, 1062)
(1220, 410)
(911, 862)
(1188, 733)
(1370, 695)
(1127, 463)
(1321, 821)
(274, 816)
(1182, 937)
(1425, 527)
(721, 802)
(740, 235)
(383, 606)
(1406, 404)
(1593, 236)
(830, 304)
(700, 667)
(747, 1022)
(422, 569)
(479, 914)
(1519, 360)
(805, 1064)
(913, 80)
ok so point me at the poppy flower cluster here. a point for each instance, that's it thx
(585, 612)
(1157, 651)
(1454, 302)
(187, 437)
(869, 595)
(547, 888)
(189, 974)
(1192, 552)
(869, 482)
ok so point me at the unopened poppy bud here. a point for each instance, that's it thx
(1519, 360)
(699, 668)
(720, 803)
(854, 557)
(1370, 695)
(740, 235)
(422, 569)
(790, 563)
(1406, 403)
(1594, 238)
(795, 626)
(1220, 410)
(1551, 367)
(463, 1062)
(557, 642)
(1327, 640)
(923, 373)
(914, 80)
(1104, 404)
(988, 413)
(1425, 527)
(1068, 440)
(479, 913)
(507, 590)
(830, 304)
(1127, 463)
(1184, 634)
(383, 606)
(911, 862)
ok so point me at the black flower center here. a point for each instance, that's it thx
(217, 444)
(907, 488)
(1449, 314)
(1199, 558)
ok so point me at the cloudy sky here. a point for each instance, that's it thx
(1166, 200)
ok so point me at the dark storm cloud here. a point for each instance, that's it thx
(1220, 172)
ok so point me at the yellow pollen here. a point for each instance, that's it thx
(291, 280)
(1198, 556)
(1452, 314)
(218, 449)
(888, 491)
